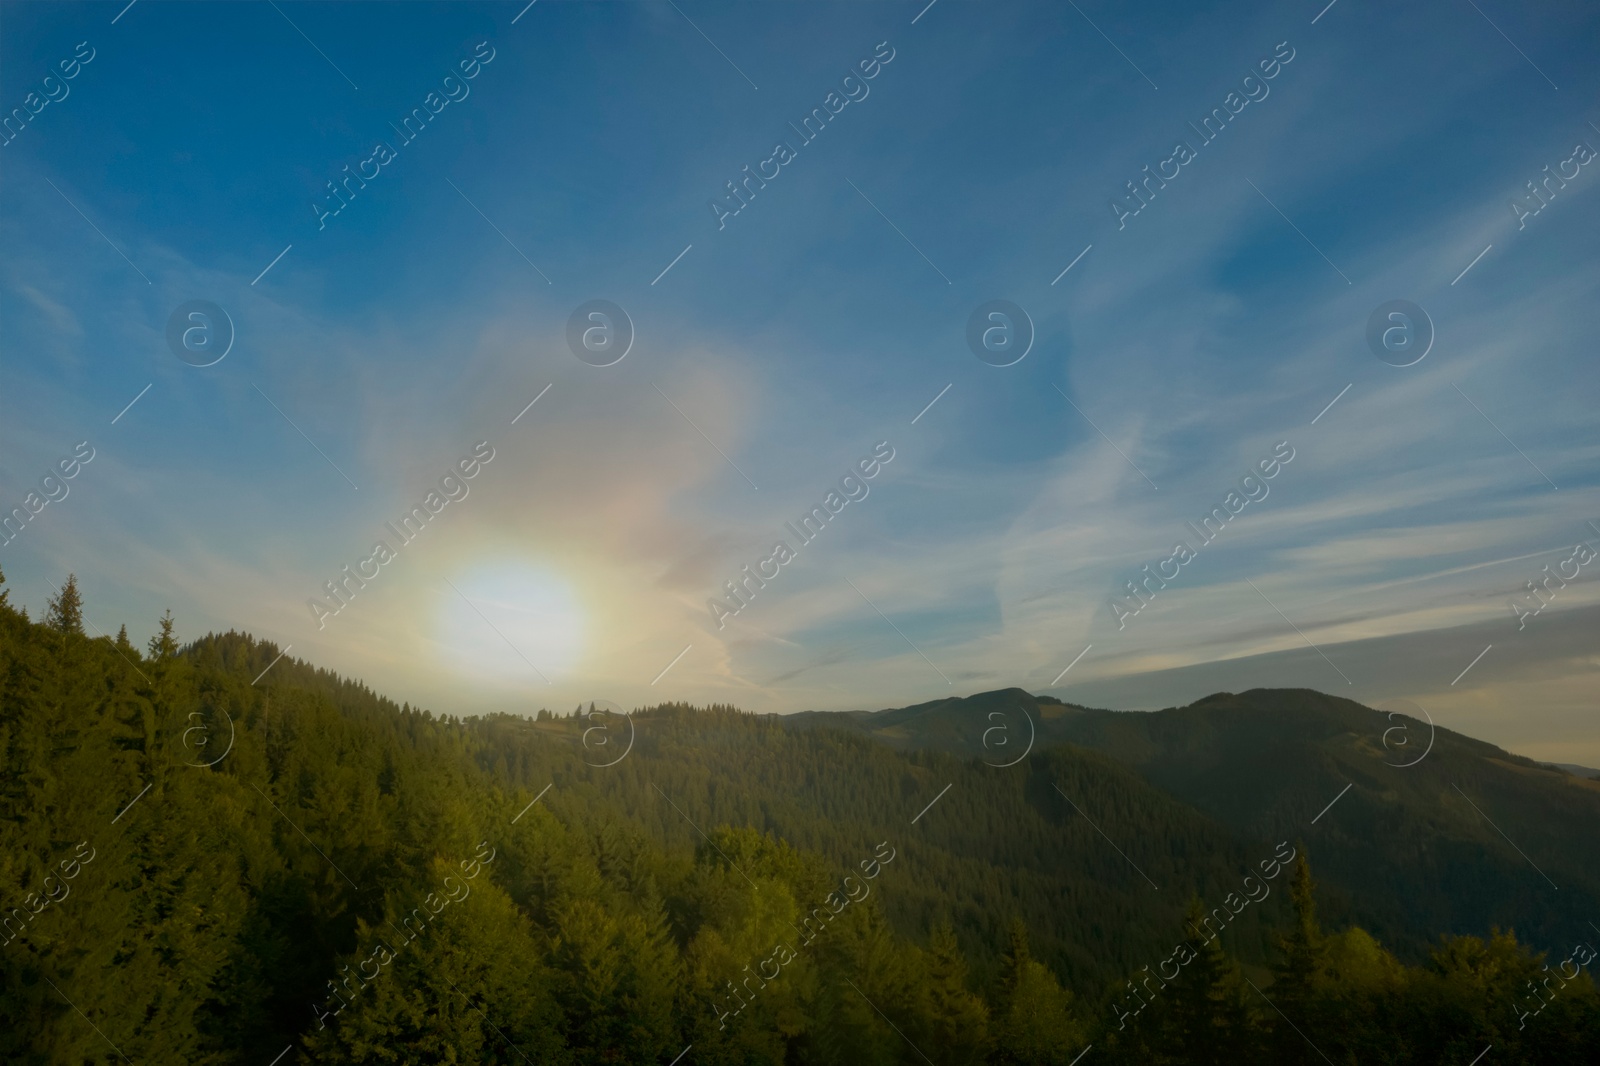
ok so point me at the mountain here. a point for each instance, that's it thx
(1575, 769)
(216, 853)
(1435, 832)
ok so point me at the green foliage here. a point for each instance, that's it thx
(64, 613)
(1208, 1022)
(164, 644)
(197, 869)
(1034, 1023)
(960, 1017)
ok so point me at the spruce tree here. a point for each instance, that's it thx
(1013, 961)
(1034, 1025)
(65, 612)
(164, 645)
(1303, 947)
(960, 1019)
(1297, 977)
(1207, 1022)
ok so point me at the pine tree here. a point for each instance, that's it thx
(1303, 946)
(1034, 1022)
(65, 612)
(164, 645)
(1297, 977)
(649, 981)
(960, 1019)
(1013, 961)
(1208, 1021)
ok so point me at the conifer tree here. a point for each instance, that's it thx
(65, 611)
(1034, 1025)
(1207, 1021)
(1013, 961)
(164, 645)
(1303, 946)
(1298, 975)
(960, 1019)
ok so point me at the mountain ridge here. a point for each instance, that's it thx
(1361, 786)
(258, 823)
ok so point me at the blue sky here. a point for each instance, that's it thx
(779, 349)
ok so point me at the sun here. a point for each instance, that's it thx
(511, 621)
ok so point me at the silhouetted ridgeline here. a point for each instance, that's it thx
(212, 871)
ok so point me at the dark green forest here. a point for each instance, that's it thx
(209, 854)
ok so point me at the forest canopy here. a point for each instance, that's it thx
(204, 860)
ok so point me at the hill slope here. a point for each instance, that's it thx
(202, 864)
(1428, 837)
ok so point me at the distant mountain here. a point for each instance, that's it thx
(1575, 769)
(1112, 819)
(989, 844)
(1465, 837)
(217, 849)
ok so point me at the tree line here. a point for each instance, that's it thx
(198, 868)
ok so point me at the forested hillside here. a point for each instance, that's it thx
(1419, 842)
(211, 855)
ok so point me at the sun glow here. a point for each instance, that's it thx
(512, 622)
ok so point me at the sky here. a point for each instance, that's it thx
(428, 318)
